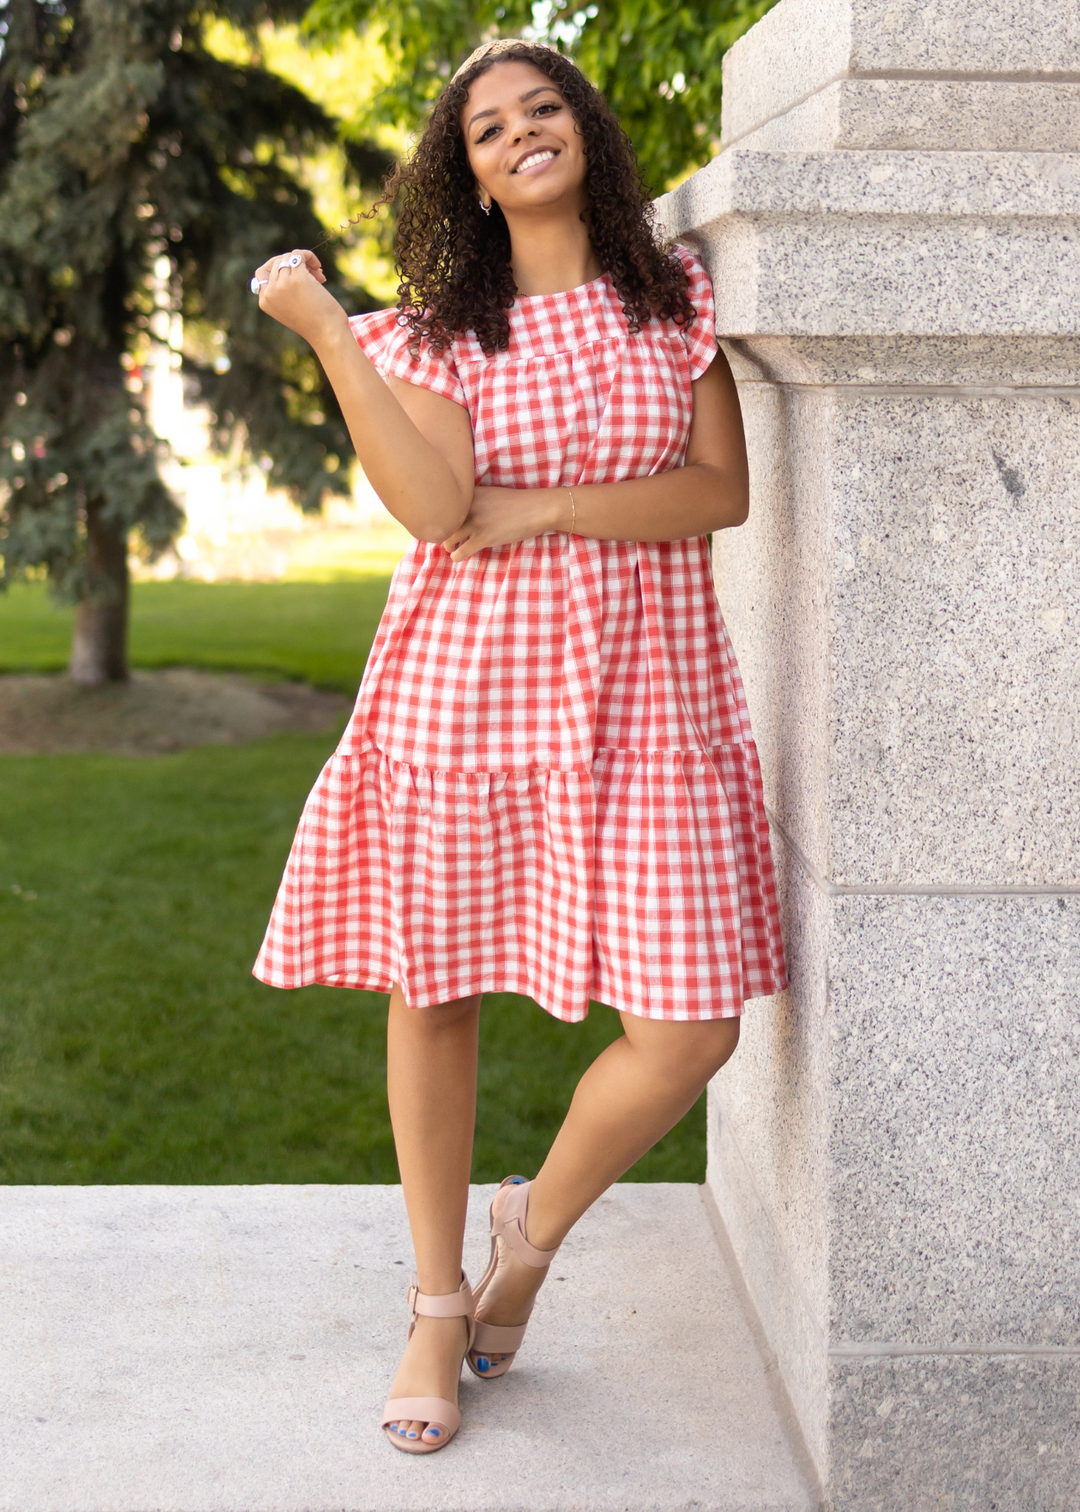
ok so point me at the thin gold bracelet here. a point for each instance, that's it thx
(573, 509)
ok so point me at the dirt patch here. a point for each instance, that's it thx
(157, 712)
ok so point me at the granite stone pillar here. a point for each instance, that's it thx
(893, 229)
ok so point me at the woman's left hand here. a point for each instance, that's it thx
(501, 516)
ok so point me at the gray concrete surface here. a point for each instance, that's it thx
(228, 1349)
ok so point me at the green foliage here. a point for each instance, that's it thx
(310, 632)
(129, 154)
(658, 64)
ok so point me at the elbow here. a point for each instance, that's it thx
(734, 509)
(735, 502)
(435, 530)
(729, 494)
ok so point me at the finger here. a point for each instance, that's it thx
(276, 274)
(469, 547)
(300, 261)
(311, 263)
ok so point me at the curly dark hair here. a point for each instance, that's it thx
(454, 261)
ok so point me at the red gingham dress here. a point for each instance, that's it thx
(548, 785)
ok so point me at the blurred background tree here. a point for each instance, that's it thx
(151, 154)
(143, 177)
(657, 63)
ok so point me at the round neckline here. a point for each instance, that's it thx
(562, 293)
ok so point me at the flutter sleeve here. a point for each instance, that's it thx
(700, 334)
(386, 342)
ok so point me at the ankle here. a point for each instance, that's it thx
(441, 1331)
(542, 1231)
(439, 1283)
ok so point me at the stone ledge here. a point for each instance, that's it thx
(228, 1349)
(746, 181)
(925, 115)
(901, 243)
(802, 46)
(998, 364)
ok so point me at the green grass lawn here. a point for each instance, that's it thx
(134, 1044)
(313, 632)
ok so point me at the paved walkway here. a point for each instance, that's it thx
(228, 1349)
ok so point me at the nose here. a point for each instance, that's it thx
(526, 129)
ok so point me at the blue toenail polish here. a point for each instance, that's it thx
(434, 1432)
(411, 1434)
(517, 1181)
(483, 1363)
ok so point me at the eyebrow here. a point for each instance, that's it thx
(480, 114)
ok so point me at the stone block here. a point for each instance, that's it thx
(954, 1143)
(959, 1432)
(900, 243)
(923, 115)
(802, 46)
(902, 689)
(895, 1154)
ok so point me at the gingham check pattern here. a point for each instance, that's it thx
(548, 785)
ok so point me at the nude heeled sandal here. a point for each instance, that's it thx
(489, 1338)
(440, 1415)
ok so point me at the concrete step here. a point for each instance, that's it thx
(228, 1349)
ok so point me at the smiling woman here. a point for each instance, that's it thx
(548, 784)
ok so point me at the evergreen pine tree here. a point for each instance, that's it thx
(124, 142)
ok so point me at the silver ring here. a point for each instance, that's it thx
(256, 284)
(290, 262)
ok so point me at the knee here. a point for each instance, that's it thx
(436, 1018)
(715, 1046)
(685, 1054)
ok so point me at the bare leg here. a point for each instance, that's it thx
(431, 1083)
(631, 1095)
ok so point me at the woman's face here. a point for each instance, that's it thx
(524, 145)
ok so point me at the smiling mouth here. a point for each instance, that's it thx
(535, 158)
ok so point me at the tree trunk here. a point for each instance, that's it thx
(99, 645)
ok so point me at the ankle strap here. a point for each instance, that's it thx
(510, 1223)
(457, 1304)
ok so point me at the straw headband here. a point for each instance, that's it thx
(501, 45)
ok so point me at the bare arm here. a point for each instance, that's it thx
(415, 447)
(709, 492)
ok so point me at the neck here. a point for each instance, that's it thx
(549, 256)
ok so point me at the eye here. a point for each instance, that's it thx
(547, 106)
(485, 134)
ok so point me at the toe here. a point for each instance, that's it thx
(433, 1433)
(414, 1430)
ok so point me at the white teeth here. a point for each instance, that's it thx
(534, 157)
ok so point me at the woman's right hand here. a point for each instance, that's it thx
(295, 296)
